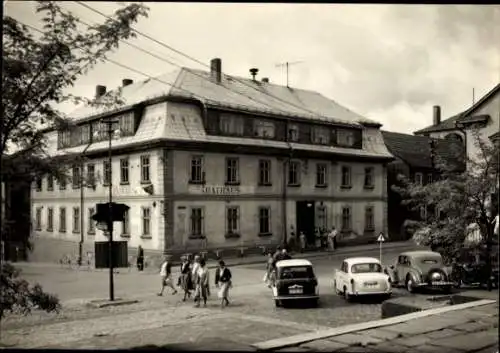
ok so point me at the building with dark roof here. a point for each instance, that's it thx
(210, 161)
(417, 158)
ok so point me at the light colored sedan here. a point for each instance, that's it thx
(362, 276)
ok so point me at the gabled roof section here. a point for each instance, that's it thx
(463, 117)
(235, 93)
(468, 116)
(416, 150)
(447, 124)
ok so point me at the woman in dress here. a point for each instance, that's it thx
(185, 278)
(223, 280)
(202, 284)
(194, 270)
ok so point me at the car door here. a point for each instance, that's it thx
(402, 268)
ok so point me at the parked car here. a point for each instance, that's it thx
(420, 269)
(361, 276)
(294, 280)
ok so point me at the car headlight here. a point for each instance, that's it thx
(436, 276)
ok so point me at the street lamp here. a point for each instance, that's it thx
(110, 131)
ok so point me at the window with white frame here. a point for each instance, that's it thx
(91, 175)
(345, 137)
(264, 172)
(124, 168)
(50, 182)
(38, 183)
(50, 219)
(429, 178)
(321, 135)
(62, 219)
(127, 124)
(232, 170)
(322, 219)
(423, 213)
(197, 221)
(264, 129)
(321, 174)
(38, 218)
(369, 171)
(126, 223)
(346, 177)
(76, 219)
(232, 220)
(230, 124)
(145, 164)
(264, 220)
(77, 177)
(346, 218)
(369, 218)
(419, 178)
(294, 173)
(146, 221)
(91, 222)
(293, 133)
(62, 182)
(107, 172)
(197, 172)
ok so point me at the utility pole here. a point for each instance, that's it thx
(287, 65)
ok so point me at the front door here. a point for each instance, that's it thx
(305, 219)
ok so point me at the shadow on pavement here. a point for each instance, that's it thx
(211, 345)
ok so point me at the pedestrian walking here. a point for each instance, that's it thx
(317, 239)
(302, 240)
(185, 278)
(194, 269)
(223, 282)
(140, 258)
(202, 284)
(269, 269)
(166, 276)
(332, 239)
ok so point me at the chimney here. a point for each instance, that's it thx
(126, 82)
(216, 70)
(265, 79)
(437, 115)
(254, 72)
(100, 91)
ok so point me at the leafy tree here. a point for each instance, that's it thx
(18, 296)
(462, 198)
(39, 66)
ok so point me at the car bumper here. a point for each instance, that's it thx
(436, 284)
(369, 294)
(289, 297)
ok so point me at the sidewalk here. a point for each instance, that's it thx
(469, 327)
(247, 260)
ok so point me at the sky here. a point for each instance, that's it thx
(389, 63)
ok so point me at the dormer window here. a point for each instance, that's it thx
(231, 124)
(321, 135)
(264, 129)
(293, 133)
(345, 138)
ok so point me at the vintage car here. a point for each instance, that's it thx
(294, 280)
(361, 276)
(420, 269)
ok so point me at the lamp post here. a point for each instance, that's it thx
(82, 213)
(110, 131)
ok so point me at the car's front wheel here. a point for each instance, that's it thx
(409, 285)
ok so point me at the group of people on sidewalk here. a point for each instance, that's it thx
(272, 260)
(195, 276)
(323, 239)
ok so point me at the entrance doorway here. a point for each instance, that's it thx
(305, 219)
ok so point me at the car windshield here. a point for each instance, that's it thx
(366, 268)
(296, 272)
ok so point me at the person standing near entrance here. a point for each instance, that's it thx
(302, 240)
(140, 258)
(332, 241)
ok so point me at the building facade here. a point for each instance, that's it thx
(217, 162)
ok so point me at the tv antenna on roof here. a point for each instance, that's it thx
(287, 64)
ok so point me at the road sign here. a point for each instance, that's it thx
(381, 238)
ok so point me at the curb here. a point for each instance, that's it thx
(313, 336)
